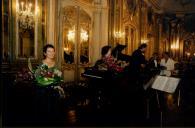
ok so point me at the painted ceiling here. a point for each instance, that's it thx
(174, 6)
(176, 11)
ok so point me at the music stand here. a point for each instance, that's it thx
(165, 84)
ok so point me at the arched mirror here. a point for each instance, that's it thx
(84, 38)
(76, 35)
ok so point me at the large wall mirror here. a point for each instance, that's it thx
(26, 28)
(26, 43)
(76, 35)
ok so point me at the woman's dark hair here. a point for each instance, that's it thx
(45, 49)
(105, 50)
(142, 46)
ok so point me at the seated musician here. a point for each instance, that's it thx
(117, 53)
(107, 62)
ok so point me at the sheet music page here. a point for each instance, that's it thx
(160, 82)
(171, 84)
(164, 83)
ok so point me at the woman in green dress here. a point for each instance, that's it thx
(49, 55)
(48, 86)
(47, 73)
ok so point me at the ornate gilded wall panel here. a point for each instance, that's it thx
(124, 23)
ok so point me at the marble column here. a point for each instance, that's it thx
(104, 28)
(100, 29)
(96, 36)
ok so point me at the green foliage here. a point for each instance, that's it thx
(45, 76)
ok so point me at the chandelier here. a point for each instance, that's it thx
(25, 15)
(83, 35)
(119, 34)
(71, 35)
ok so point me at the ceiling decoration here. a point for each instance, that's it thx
(132, 5)
(184, 2)
(187, 21)
(173, 6)
(175, 12)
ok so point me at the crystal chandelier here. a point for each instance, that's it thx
(25, 15)
(83, 35)
(71, 35)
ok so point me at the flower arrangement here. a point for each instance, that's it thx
(24, 75)
(45, 76)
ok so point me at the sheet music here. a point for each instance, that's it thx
(159, 82)
(171, 84)
(164, 83)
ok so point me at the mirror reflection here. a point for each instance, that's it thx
(70, 30)
(26, 43)
(25, 17)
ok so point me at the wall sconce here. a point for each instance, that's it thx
(66, 49)
(118, 34)
(188, 54)
(175, 46)
(144, 41)
(25, 15)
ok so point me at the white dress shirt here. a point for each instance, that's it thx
(155, 63)
(169, 66)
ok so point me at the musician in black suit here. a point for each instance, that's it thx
(153, 65)
(117, 53)
(138, 61)
(136, 92)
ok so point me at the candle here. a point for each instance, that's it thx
(30, 5)
(22, 3)
(17, 7)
